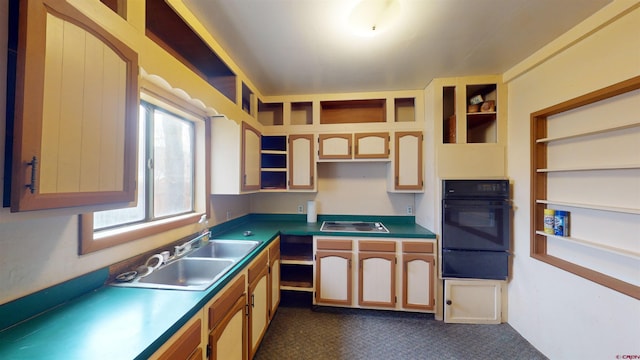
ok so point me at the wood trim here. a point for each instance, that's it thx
(311, 185)
(538, 243)
(341, 254)
(382, 155)
(406, 259)
(420, 180)
(417, 247)
(376, 245)
(323, 137)
(219, 310)
(87, 242)
(330, 244)
(185, 345)
(391, 257)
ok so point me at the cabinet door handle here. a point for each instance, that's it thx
(449, 302)
(252, 301)
(34, 165)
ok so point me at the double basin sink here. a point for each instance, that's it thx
(198, 269)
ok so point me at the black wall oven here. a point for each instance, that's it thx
(476, 229)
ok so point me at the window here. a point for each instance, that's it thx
(170, 150)
(165, 170)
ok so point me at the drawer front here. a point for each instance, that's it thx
(331, 244)
(375, 245)
(417, 247)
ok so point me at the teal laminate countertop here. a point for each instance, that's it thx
(108, 322)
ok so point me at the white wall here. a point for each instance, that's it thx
(564, 316)
(357, 188)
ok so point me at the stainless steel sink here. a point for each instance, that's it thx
(225, 249)
(184, 274)
(197, 270)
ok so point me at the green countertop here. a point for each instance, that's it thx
(111, 322)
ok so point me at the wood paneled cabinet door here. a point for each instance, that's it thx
(333, 272)
(184, 344)
(473, 301)
(301, 163)
(250, 158)
(258, 301)
(228, 323)
(371, 145)
(274, 277)
(408, 166)
(377, 273)
(418, 276)
(335, 146)
(76, 111)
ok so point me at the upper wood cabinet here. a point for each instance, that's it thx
(335, 146)
(76, 111)
(353, 146)
(301, 162)
(235, 157)
(408, 165)
(371, 145)
(251, 146)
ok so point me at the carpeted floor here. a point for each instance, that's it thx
(340, 334)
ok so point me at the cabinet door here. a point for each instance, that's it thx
(418, 281)
(408, 160)
(76, 111)
(371, 145)
(377, 286)
(228, 338)
(274, 277)
(335, 146)
(473, 301)
(301, 164)
(250, 158)
(184, 344)
(258, 279)
(333, 277)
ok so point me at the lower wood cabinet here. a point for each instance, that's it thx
(258, 297)
(418, 276)
(185, 344)
(473, 301)
(377, 273)
(274, 277)
(228, 323)
(333, 284)
(382, 282)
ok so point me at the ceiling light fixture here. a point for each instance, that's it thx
(372, 17)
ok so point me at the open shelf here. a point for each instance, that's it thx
(353, 111)
(591, 244)
(270, 114)
(302, 113)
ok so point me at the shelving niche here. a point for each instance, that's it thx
(590, 168)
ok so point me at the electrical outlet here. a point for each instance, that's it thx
(300, 209)
(409, 210)
(228, 215)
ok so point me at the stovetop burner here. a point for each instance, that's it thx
(353, 226)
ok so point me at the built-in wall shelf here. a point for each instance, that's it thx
(570, 133)
(595, 245)
(587, 133)
(591, 168)
(617, 209)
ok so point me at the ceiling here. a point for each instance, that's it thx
(289, 47)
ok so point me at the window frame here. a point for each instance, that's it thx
(169, 102)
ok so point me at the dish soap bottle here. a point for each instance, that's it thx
(204, 230)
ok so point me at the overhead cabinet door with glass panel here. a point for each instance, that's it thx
(76, 108)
